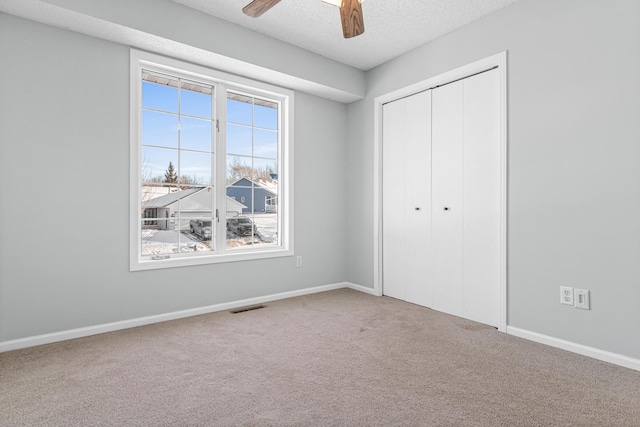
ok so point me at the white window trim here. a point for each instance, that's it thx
(143, 60)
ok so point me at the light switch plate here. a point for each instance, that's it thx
(581, 299)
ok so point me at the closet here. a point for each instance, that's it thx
(441, 198)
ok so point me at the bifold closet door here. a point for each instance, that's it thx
(482, 199)
(445, 284)
(406, 212)
(466, 203)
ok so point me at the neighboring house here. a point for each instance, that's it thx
(194, 203)
(257, 196)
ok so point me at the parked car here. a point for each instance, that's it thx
(242, 226)
(201, 228)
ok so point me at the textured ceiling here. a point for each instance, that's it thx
(392, 27)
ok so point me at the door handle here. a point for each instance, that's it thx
(446, 208)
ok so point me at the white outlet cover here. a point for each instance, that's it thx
(566, 295)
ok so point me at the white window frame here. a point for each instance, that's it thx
(222, 82)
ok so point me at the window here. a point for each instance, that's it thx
(210, 166)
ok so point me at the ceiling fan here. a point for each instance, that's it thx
(350, 13)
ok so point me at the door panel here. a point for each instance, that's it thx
(406, 186)
(482, 199)
(393, 199)
(445, 284)
(418, 195)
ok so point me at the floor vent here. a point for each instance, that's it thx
(243, 309)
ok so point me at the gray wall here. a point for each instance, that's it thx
(574, 198)
(574, 156)
(202, 38)
(64, 182)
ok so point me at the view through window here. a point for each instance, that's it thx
(177, 164)
(252, 170)
(207, 187)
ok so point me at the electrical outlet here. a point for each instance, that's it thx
(581, 298)
(298, 261)
(566, 295)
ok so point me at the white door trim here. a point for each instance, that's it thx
(498, 60)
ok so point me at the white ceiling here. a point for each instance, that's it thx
(392, 27)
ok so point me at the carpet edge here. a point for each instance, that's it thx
(584, 350)
(86, 331)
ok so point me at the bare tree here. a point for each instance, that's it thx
(266, 171)
(237, 170)
(189, 180)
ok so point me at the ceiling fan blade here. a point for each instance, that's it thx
(257, 7)
(352, 19)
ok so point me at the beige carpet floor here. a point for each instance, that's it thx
(335, 358)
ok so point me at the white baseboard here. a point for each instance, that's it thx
(595, 353)
(363, 289)
(141, 321)
(614, 358)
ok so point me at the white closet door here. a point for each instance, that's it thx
(466, 178)
(394, 199)
(406, 196)
(418, 195)
(442, 198)
(445, 284)
(482, 199)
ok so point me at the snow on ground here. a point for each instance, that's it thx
(159, 242)
(267, 227)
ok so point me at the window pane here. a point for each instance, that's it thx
(266, 225)
(265, 115)
(239, 167)
(195, 168)
(159, 165)
(239, 140)
(265, 143)
(241, 200)
(195, 100)
(159, 239)
(264, 169)
(166, 238)
(196, 201)
(155, 197)
(159, 97)
(239, 109)
(150, 215)
(159, 129)
(196, 234)
(241, 232)
(195, 134)
(260, 195)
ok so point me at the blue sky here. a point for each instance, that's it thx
(160, 129)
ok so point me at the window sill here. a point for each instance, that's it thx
(149, 264)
